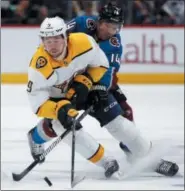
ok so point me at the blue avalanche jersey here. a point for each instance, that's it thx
(111, 47)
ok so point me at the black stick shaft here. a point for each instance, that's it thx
(73, 144)
(73, 155)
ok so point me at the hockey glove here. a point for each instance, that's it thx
(122, 100)
(128, 113)
(66, 114)
(78, 91)
(98, 96)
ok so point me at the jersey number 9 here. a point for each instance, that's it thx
(29, 86)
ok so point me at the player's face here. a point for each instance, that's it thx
(54, 45)
(106, 30)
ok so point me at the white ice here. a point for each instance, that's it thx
(158, 112)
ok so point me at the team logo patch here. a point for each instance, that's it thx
(90, 24)
(41, 62)
(114, 42)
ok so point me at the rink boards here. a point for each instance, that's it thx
(151, 54)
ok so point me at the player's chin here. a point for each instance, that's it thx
(55, 54)
(104, 37)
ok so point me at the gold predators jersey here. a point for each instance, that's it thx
(50, 78)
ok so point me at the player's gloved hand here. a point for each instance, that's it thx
(78, 91)
(98, 96)
(122, 100)
(128, 113)
(66, 113)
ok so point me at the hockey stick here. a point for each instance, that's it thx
(79, 178)
(73, 154)
(18, 177)
(75, 180)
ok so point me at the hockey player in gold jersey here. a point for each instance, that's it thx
(59, 61)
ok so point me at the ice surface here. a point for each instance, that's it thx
(158, 112)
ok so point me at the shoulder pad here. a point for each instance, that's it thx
(79, 43)
(115, 41)
(90, 23)
(40, 62)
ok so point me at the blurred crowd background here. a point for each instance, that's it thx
(160, 12)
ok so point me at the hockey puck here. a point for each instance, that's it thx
(48, 181)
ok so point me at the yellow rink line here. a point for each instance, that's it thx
(124, 78)
(154, 78)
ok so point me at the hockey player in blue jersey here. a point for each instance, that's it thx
(105, 30)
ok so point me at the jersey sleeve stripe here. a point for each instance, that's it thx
(37, 110)
(82, 53)
(50, 75)
(56, 67)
